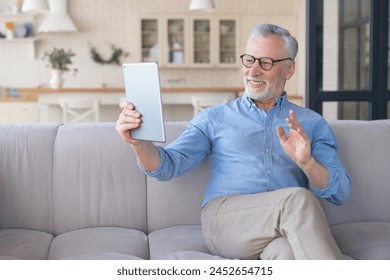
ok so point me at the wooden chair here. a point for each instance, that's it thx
(201, 102)
(79, 110)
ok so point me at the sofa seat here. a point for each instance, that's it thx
(100, 243)
(24, 244)
(103, 256)
(364, 240)
(178, 242)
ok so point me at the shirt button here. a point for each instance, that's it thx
(266, 150)
(268, 172)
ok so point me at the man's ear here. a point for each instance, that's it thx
(291, 70)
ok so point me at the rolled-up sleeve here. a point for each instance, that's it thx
(324, 150)
(184, 153)
(338, 189)
(164, 171)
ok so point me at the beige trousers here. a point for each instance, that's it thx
(241, 226)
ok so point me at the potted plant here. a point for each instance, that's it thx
(59, 60)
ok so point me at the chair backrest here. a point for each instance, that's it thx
(79, 110)
(201, 102)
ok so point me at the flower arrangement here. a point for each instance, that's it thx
(60, 59)
(9, 25)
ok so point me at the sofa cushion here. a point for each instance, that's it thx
(104, 256)
(364, 240)
(96, 180)
(26, 177)
(99, 241)
(364, 154)
(190, 255)
(2, 257)
(175, 239)
(177, 201)
(24, 244)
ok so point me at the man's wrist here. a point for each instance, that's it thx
(308, 164)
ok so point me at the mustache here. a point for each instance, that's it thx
(254, 79)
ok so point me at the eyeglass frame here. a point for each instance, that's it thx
(260, 60)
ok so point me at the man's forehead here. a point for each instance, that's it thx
(261, 46)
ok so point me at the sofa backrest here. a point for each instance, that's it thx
(26, 177)
(365, 153)
(96, 180)
(56, 178)
(178, 201)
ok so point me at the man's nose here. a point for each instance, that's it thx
(256, 68)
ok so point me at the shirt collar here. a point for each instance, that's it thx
(251, 104)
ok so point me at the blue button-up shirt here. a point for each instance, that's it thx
(244, 152)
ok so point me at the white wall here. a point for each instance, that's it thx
(105, 22)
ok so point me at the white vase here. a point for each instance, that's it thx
(56, 80)
(9, 34)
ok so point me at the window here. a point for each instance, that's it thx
(345, 78)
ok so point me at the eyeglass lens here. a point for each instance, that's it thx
(265, 62)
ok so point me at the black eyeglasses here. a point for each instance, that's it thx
(266, 63)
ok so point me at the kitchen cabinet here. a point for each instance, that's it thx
(177, 102)
(18, 112)
(163, 40)
(227, 42)
(214, 42)
(202, 48)
(50, 110)
(175, 41)
(190, 41)
(150, 40)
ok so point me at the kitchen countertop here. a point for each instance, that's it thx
(109, 90)
(30, 94)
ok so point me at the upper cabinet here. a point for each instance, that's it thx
(150, 40)
(175, 36)
(227, 43)
(192, 41)
(202, 49)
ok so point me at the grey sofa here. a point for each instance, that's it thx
(74, 191)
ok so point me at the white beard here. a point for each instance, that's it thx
(266, 94)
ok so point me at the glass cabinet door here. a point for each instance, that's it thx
(201, 47)
(149, 40)
(190, 41)
(227, 42)
(176, 41)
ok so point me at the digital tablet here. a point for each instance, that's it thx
(142, 86)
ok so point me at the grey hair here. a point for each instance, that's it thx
(266, 29)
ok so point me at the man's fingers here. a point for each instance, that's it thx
(126, 105)
(293, 121)
(292, 114)
(281, 134)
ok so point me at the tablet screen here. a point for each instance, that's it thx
(142, 85)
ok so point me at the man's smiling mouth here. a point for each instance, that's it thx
(255, 82)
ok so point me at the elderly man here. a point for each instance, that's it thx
(270, 161)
